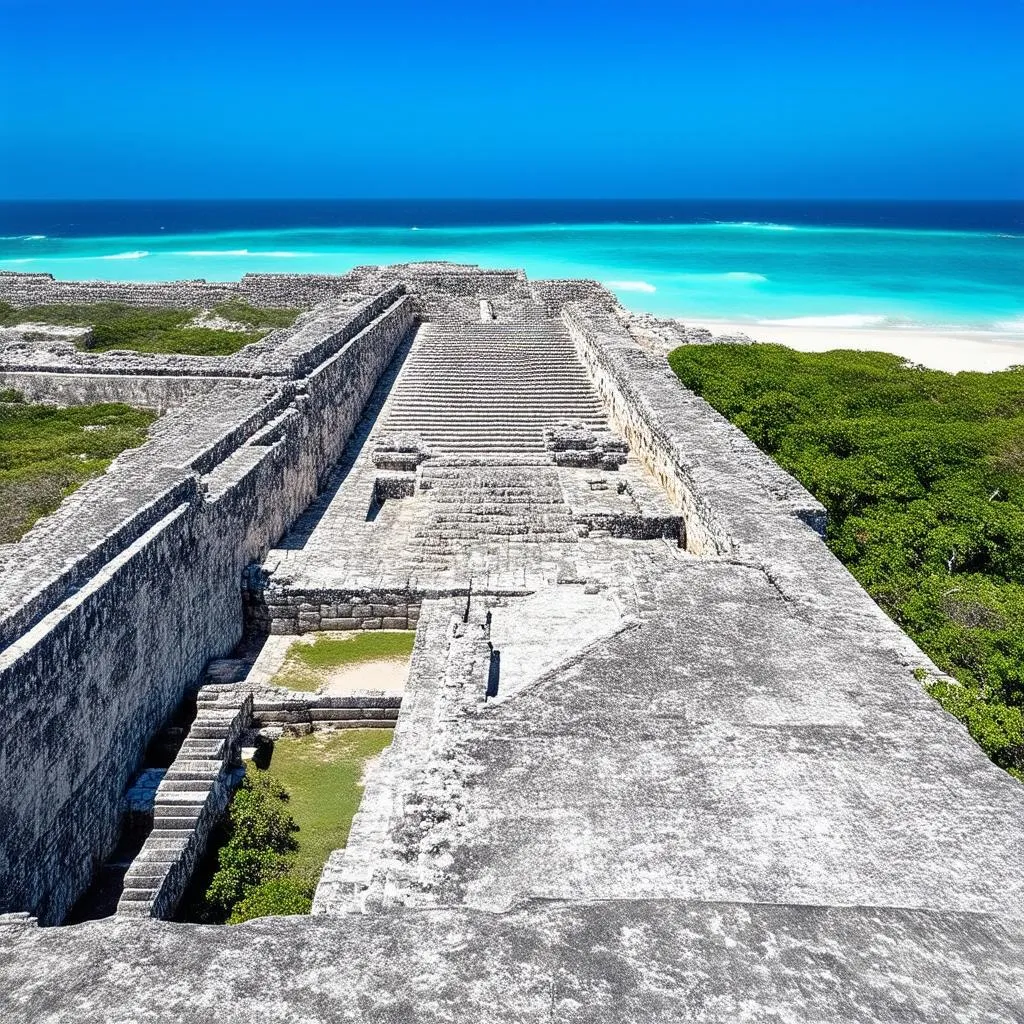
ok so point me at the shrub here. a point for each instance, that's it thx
(242, 313)
(46, 452)
(277, 897)
(258, 838)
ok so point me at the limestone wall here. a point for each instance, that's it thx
(681, 439)
(289, 352)
(159, 393)
(110, 609)
(265, 290)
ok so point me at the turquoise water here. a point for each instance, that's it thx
(747, 271)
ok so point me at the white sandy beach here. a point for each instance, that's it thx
(951, 350)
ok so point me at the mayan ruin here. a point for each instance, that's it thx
(657, 755)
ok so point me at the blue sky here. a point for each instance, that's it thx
(786, 98)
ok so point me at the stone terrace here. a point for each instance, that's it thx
(659, 756)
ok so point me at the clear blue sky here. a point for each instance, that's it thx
(787, 98)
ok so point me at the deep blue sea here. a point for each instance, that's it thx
(878, 264)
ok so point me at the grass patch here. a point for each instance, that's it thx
(922, 473)
(283, 823)
(47, 452)
(308, 665)
(323, 775)
(242, 313)
(116, 325)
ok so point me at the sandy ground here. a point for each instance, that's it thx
(940, 350)
(382, 674)
(390, 674)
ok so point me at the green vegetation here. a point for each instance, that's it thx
(922, 474)
(323, 774)
(260, 836)
(309, 664)
(145, 329)
(46, 452)
(282, 826)
(242, 313)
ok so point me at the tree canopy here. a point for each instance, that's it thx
(922, 473)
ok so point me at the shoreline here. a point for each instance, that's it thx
(951, 350)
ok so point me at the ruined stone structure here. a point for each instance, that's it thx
(659, 757)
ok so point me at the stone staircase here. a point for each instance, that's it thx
(477, 503)
(189, 801)
(491, 387)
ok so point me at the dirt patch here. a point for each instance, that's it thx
(387, 674)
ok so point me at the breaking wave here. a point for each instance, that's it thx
(743, 275)
(762, 224)
(282, 253)
(631, 286)
(138, 254)
(839, 320)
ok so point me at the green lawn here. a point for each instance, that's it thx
(322, 773)
(156, 330)
(47, 452)
(922, 473)
(309, 664)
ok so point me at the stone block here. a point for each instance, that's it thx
(340, 623)
(395, 622)
(371, 624)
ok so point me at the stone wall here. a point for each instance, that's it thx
(290, 352)
(264, 290)
(680, 438)
(145, 392)
(283, 610)
(110, 609)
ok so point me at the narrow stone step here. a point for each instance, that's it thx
(139, 895)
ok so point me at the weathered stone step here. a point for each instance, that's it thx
(134, 895)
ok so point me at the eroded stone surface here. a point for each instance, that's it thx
(658, 757)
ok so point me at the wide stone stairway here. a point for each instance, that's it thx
(491, 387)
(486, 509)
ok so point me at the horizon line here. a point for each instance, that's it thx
(509, 199)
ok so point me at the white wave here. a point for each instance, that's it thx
(138, 254)
(213, 252)
(763, 225)
(746, 276)
(34, 238)
(1015, 326)
(631, 286)
(743, 275)
(839, 320)
(279, 253)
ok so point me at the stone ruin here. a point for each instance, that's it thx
(659, 757)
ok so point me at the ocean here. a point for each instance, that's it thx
(944, 265)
